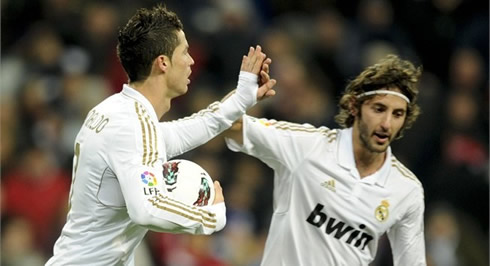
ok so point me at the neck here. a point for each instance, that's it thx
(153, 91)
(367, 161)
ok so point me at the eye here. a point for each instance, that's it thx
(378, 109)
(399, 114)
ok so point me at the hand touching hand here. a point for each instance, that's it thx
(256, 62)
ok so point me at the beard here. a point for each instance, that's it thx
(366, 139)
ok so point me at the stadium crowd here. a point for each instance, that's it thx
(58, 60)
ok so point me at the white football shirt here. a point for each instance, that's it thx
(118, 192)
(324, 213)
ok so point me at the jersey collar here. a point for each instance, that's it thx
(132, 93)
(345, 158)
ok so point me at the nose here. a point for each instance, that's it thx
(386, 122)
(192, 60)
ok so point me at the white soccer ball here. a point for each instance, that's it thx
(188, 182)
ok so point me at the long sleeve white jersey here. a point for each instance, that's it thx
(117, 190)
(324, 213)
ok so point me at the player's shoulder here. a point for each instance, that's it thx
(122, 107)
(285, 126)
(115, 113)
(403, 175)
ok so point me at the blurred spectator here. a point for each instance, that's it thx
(59, 59)
(18, 246)
(460, 175)
(37, 191)
(453, 239)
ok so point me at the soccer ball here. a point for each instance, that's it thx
(188, 182)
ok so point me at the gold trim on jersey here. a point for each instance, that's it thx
(197, 215)
(331, 134)
(210, 109)
(152, 151)
(143, 132)
(156, 143)
(195, 212)
(185, 206)
(182, 214)
(149, 139)
(404, 170)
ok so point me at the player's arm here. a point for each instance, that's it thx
(140, 178)
(187, 133)
(277, 143)
(407, 236)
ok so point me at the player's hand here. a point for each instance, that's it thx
(252, 62)
(218, 195)
(265, 82)
(256, 62)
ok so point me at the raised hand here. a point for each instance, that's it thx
(256, 62)
(265, 82)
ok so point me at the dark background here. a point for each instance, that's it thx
(58, 60)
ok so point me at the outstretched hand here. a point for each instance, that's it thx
(256, 62)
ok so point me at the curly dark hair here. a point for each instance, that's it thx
(148, 34)
(389, 72)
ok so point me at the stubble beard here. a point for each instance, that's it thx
(365, 137)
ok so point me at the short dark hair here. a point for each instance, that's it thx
(148, 34)
(389, 72)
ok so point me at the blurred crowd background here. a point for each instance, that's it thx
(58, 60)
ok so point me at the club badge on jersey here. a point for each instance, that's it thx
(381, 213)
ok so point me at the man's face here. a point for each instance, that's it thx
(179, 69)
(379, 121)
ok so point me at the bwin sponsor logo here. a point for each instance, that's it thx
(318, 218)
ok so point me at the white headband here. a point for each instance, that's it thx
(383, 92)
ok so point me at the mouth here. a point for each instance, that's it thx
(381, 137)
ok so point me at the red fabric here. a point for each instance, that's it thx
(39, 200)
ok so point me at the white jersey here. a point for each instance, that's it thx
(324, 213)
(118, 192)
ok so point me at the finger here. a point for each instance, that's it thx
(251, 51)
(267, 61)
(264, 77)
(254, 59)
(265, 68)
(270, 93)
(258, 63)
(218, 197)
(246, 59)
(217, 185)
(244, 63)
(262, 91)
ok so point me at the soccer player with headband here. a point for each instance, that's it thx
(337, 191)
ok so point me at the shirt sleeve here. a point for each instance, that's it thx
(187, 133)
(190, 132)
(141, 182)
(407, 236)
(277, 143)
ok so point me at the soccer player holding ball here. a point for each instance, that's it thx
(337, 191)
(117, 192)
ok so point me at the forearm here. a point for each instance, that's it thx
(163, 214)
(185, 134)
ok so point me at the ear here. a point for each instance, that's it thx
(162, 62)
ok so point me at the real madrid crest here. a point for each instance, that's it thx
(381, 213)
